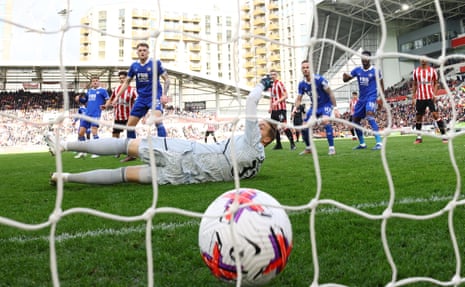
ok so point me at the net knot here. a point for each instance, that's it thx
(55, 216)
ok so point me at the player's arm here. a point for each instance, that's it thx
(297, 103)
(333, 100)
(166, 83)
(346, 77)
(166, 86)
(124, 87)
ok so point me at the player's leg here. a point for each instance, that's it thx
(136, 174)
(440, 123)
(370, 117)
(421, 109)
(84, 126)
(275, 116)
(158, 113)
(287, 131)
(306, 135)
(359, 114)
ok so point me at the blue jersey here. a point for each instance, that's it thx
(144, 75)
(96, 98)
(323, 98)
(366, 82)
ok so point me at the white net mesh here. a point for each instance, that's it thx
(236, 41)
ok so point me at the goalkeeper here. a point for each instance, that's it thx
(180, 161)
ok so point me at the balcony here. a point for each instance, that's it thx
(140, 13)
(166, 46)
(191, 28)
(138, 23)
(167, 56)
(259, 3)
(172, 36)
(274, 37)
(259, 31)
(196, 67)
(259, 42)
(273, 16)
(195, 58)
(194, 48)
(275, 47)
(245, 8)
(258, 12)
(190, 39)
(259, 21)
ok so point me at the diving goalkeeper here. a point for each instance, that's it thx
(179, 161)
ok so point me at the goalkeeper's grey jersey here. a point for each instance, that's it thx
(181, 161)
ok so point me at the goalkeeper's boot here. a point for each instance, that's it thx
(267, 82)
(53, 147)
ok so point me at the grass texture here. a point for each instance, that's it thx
(94, 251)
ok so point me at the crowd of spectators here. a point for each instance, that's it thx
(24, 116)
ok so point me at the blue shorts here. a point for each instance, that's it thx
(143, 105)
(87, 125)
(362, 107)
(322, 111)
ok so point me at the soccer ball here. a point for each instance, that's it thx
(254, 227)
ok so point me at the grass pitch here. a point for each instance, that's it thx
(93, 251)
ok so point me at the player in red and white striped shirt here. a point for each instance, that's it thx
(278, 110)
(425, 87)
(122, 106)
(353, 101)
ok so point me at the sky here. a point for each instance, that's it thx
(43, 15)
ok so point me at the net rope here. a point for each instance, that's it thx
(314, 204)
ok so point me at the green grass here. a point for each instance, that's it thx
(103, 252)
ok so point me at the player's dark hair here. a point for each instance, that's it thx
(122, 73)
(142, 44)
(367, 53)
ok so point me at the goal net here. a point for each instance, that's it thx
(230, 120)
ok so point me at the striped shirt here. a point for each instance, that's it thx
(278, 91)
(124, 104)
(426, 80)
(352, 103)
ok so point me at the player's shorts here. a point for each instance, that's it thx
(421, 106)
(279, 115)
(118, 130)
(87, 125)
(207, 133)
(143, 105)
(363, 107)
(322, 111)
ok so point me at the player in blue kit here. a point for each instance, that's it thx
(142, 70)
(326, 103)
(180, 161)
(96, 98)
(368, 94)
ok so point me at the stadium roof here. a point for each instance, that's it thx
(406, 15)
(350, 21)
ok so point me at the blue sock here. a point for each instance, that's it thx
(374, 126)
(359, 133)
(82, 139)
(131, 134)
(329, 134)
(96, 137)
(161, 131)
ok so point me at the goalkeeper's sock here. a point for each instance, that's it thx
(99, 176)
(104, 146)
